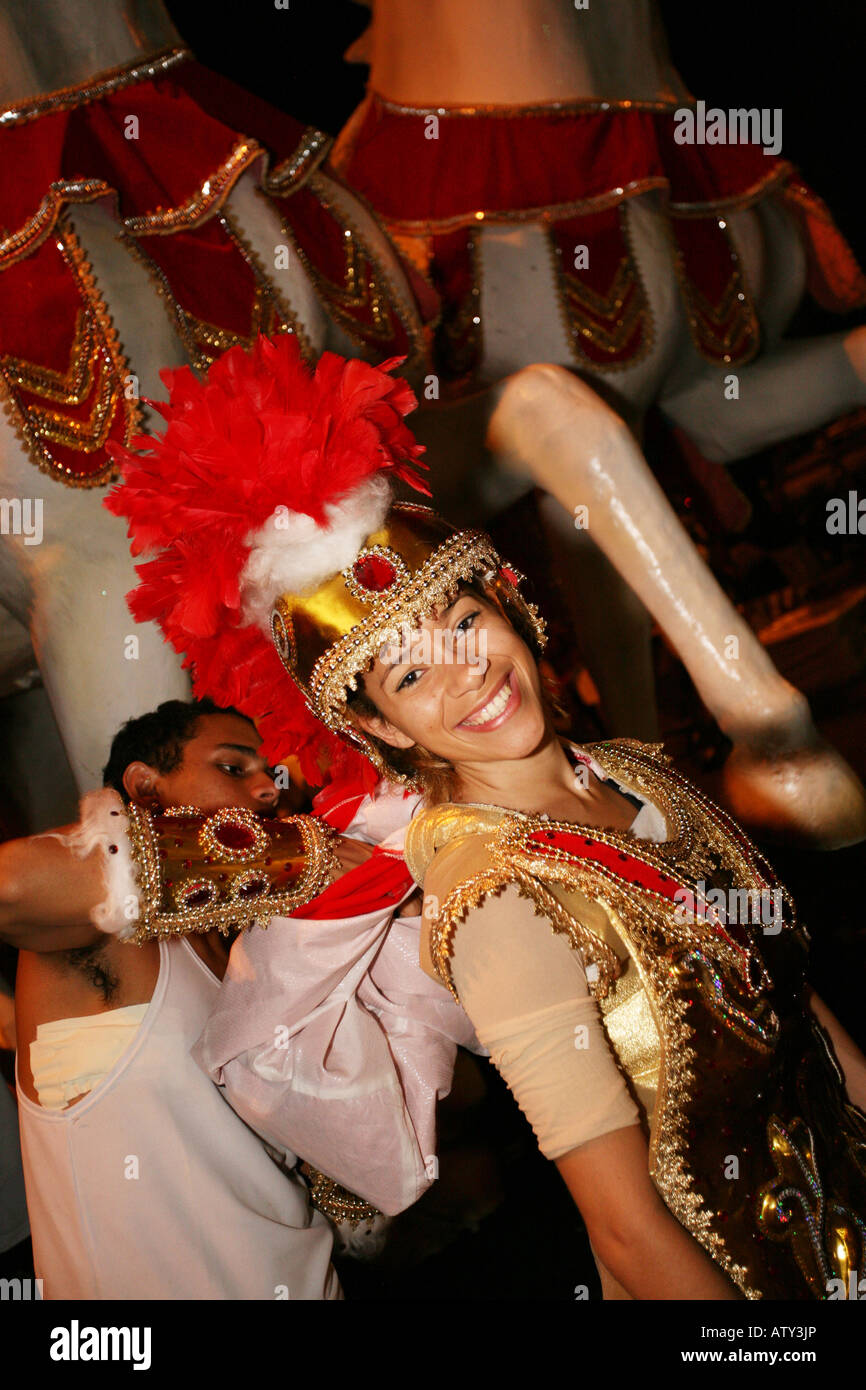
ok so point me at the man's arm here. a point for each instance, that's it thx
(47, 894)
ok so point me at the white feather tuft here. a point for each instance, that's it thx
(293, 554)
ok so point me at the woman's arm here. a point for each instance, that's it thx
(632, 1232)
(848, 1054)
(525, 991)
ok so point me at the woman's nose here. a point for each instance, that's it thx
(470, 674)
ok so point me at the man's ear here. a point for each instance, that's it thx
(382, 728)
(139, 781)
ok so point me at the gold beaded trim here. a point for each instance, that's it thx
(17, 246)
(290, 173)
(384, 552)
(204, 202)
(542, 212)
(570, 290)
(113, 80)
(182, 892)
(335, 1201)
(233, 815)
(577, 105)
(95, 356)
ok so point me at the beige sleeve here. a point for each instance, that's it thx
(524, 988)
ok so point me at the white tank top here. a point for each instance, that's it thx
(151, 1187)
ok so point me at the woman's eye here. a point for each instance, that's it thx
(408, 680)
(231, 769)
(470, 618)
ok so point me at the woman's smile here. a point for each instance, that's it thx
(497, 708)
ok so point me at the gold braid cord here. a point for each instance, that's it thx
(227, 871)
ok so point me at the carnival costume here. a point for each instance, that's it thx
(703, 1017)
(572, 167)
(63, 372)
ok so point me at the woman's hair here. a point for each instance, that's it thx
(436, 776)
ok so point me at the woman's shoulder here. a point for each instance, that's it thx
(617, 754)
(448, 834)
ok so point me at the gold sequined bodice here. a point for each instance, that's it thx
(753, 1144)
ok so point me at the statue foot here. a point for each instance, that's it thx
(806, 795)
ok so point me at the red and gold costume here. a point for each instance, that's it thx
(573, 166)
(707, 1020)
(165, 180)
(705, 1017)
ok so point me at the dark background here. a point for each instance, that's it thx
(806, 57)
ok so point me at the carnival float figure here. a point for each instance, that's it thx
(601, 242)
(585, 905)
(151, 213)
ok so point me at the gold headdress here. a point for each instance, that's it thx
(270, 504)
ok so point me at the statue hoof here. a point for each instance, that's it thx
(805, 796)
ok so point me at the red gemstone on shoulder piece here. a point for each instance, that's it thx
(233, 834)
(374, 573)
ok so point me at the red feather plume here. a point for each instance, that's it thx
(261, 431)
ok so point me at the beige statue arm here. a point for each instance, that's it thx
(551, 425)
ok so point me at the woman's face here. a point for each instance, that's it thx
(464, 686)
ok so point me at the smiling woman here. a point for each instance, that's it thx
(553, 874)
(397, 698)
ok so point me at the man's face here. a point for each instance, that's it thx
(219, 767)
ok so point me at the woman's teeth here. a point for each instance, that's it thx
(494, 707)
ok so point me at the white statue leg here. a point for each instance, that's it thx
(257, 222)
(781, 777)
(794, 388)
(70, 588)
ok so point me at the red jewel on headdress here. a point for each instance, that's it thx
(375, 573)
(509, 574)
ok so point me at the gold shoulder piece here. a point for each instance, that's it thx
(505, 858)
(431, 830)
(653, 752)
(232, 869)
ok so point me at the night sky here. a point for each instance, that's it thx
(806, 57)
